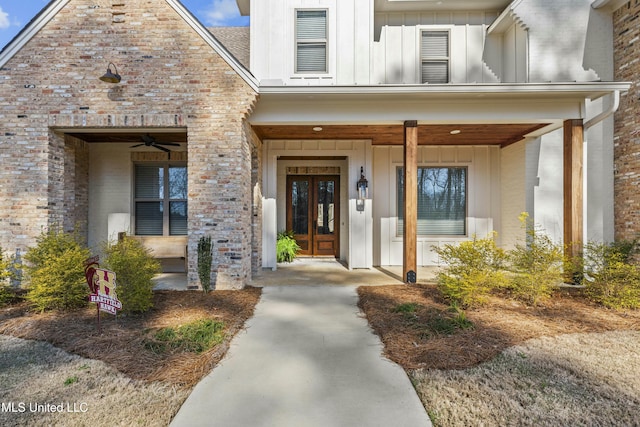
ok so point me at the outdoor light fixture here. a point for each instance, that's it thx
(363, 191)
(110, 77)
(455, 132)
(317, 129)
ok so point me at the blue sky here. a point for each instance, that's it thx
(15, 14)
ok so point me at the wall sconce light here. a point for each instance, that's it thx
(363, 191)
(110, 77)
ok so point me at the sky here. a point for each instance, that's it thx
(15, 14)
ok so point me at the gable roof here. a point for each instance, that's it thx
(54, 6)
(236, 40)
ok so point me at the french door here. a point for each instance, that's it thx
(313, 211)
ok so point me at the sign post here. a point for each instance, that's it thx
(102, 284)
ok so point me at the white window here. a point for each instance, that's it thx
(160, 199)
(434, 55)
(442, 201)
(311, 41)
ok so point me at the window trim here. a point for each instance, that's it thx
(297, 42)
(166, 200)
(423, 58)
(400, 214)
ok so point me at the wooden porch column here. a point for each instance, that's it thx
(573, 186)
(410, 237)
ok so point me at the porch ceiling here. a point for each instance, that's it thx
(470, 134)
(130, 137)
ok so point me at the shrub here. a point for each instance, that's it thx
(134, 267)
(446, 322)
(196, 337)
(286, 247)
(204, 262)
(472, 269)
(55, 268)
(611, 279)
(537, 266)
(7, 293)
(5, 266)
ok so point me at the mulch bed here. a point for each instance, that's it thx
(121, 343)
(501, 323)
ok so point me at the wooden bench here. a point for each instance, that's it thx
(166, 247)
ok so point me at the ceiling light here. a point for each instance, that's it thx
(317, 128)
(455, 132)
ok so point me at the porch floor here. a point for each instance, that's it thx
(312, 271)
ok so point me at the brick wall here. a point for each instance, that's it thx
(170, 78)
(627, 122)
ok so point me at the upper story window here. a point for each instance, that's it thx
(434, 56)
(311, 41)
(160, 199)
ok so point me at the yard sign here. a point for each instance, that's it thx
(102, 284)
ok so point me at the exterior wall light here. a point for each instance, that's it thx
(363, 191)
(110, 77)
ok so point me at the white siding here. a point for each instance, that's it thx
(109, 188)
(396, 49)
(557, 38)
(350, 24)
(483, 203)
(512, 189)
(355, 228)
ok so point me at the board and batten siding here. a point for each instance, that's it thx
(349, 35)
(483, 198)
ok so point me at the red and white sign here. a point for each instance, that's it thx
(103, 287)
(105, 284)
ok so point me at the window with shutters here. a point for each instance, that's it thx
(311, 41)
(160, 199)
(442, 201)
(434, 54)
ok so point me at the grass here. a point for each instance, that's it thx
(565, 362)
(196, 336)
(116, 369)
(575, 379)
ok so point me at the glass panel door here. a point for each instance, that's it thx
(312, 213)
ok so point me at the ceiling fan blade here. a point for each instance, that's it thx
(161, 148)
(137, 145)
(168, 143)
(148, 139)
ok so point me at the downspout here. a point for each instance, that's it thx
(605, 113)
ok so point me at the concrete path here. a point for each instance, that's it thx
(307, 359)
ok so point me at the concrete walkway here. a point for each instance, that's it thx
(306, 359)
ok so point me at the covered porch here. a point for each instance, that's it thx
(366, 126)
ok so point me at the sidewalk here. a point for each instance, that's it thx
(306, 359)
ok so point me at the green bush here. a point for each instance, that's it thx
(134, 267)
(472, 270)
(611, 278)
(537, 266)
(196, 337)
(55, 268)
(205, 257)
(286, 247)
(7, 293)
(5, 267)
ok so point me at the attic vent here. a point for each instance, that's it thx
(117, 12)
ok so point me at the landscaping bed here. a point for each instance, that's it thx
(136, 371)
(565, 361)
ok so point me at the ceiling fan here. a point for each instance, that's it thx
(150, 141)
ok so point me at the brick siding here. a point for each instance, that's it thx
(627, 122)
(170, 78)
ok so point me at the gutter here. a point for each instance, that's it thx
(615, 103)
(591, 90)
